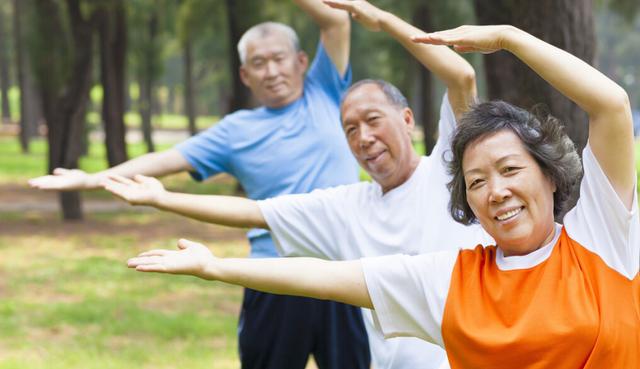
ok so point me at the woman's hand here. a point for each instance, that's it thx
(192, 258)
(464, 39)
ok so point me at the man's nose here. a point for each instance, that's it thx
(272, 68)
(366, 137)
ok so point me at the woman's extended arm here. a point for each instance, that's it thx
(610, 124)
(341, 281)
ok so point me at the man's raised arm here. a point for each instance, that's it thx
(224, 210)
(155, 164)
(454, 71)
(335, 31)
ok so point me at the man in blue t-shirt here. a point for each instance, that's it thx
(292, 144)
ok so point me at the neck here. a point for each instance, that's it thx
(400, 179)
(527, 250)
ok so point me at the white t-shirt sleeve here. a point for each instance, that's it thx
(308, 224)
(601, 223)
(409, 293)
(446, 126)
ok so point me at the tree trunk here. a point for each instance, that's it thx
(147, 76)
(423, 84)
(64, 75)
(4, 71)
(567, 24)
(240, 95)
(30, 104)
(189, 103)
(113, 35)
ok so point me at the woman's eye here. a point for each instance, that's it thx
(474, 183)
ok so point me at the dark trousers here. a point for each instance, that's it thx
(280, 332)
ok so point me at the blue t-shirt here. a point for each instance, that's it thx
(293, 149)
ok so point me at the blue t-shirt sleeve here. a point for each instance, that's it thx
(323, 73)
(208, 152)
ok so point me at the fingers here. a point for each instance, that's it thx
(139, 178)
(338, 4)
(61, 171)
(157, 268)
(116, 189)
(143, 260)
(37, 182)
(121, 179)
(155, 252)
(184, 244)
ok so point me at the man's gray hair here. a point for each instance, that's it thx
(391, 92)
(265, 29)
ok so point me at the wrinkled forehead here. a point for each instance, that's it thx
(364, 98)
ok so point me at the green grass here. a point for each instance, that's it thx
(68, 301)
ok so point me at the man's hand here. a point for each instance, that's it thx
(141, 190)
(361, 11)
(192, 258)
(64, 180)
(464, 39)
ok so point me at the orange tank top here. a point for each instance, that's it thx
(571, 311)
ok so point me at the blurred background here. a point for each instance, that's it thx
(91, 83)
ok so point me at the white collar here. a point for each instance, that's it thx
(529, 260)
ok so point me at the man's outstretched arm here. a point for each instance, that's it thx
(224, 210)
(452, 69)
(155, 164)
(335, 31)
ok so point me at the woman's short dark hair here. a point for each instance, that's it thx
(544, 139)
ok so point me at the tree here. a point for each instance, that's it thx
(145, 57)
(567, 24)
(62, 58)
(423, 89)
(4, 68)
(239, 23)
(111, 22)
(30, 105)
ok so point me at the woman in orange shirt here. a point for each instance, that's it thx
(548, 295)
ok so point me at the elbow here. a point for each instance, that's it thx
(620, 100)
(466, 79)
(615, 103)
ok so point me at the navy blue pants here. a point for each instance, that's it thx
(280, 332)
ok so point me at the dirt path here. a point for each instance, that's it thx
(25, 211)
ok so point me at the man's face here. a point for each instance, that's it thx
(378, 134)
(273, 70)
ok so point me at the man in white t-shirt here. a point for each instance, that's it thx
(404, 209)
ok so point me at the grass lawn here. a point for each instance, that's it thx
(67, 299)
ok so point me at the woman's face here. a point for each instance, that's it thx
(508, 193)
